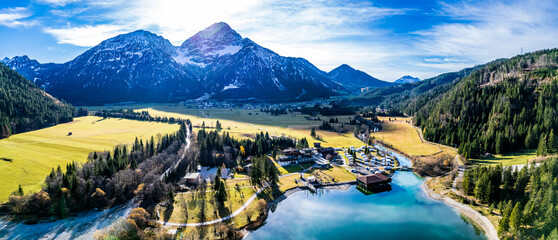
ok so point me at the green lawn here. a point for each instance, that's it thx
(293, 168)
(340, 174)
(28, 157)
(515, 158)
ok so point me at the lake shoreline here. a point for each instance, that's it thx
(471, 214)
(344, 186)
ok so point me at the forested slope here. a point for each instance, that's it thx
(526, 199)
(407, 98)
(501, 107)
(25, 107)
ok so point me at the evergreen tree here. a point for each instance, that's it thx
(218, 125)
(499, 144)
(482, 188)
(468, 184)
(541, 149)
(530, 139)
(516, 217)
(552, 144)
(313, 132)
(171, 196)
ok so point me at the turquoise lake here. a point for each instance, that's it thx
(405, 212)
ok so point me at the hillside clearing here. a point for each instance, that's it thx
(515, 158)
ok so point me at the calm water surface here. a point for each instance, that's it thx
(403, 213)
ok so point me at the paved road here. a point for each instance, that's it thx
(187, 139)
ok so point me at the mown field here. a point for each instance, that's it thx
(402, 136)
(28, 157)
(246, 122)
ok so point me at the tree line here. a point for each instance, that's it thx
(133, 115)
(217, 148)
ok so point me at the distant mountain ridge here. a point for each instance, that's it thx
(407, 79)
(355, 80)
(216, 62)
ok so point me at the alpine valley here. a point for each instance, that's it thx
(214, 136)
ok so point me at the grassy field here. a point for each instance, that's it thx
(189, 204)
(515, 158)
(247, 122)
(29, 157)
(340, 174)
(402, 136)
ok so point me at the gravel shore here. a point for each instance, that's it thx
(470, 213)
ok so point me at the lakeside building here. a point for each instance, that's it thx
(373, 182)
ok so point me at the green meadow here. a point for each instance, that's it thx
(27, 158)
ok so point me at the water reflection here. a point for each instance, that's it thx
(405, 212)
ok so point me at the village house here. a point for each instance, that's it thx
(291, 152)
(192, 178)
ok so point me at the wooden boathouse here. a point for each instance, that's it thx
(373, 182)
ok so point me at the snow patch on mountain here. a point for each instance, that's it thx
(228, 50)
(230, 86)
(183, 58)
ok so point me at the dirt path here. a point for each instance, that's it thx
(419, 132)
(470, 213)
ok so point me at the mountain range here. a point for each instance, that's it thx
(216, 63)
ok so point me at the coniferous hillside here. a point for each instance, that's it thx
(501, 107)
(25, 107)
(407, 98)
(525, 199)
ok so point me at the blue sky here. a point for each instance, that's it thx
(385, 38)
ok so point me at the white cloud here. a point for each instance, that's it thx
(85, 36)
(66, 13)
(298, 28)
(491, 30)
(328, 32)
(16, 17)
(59, 3)
(309, 29)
